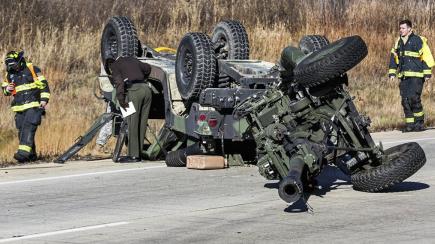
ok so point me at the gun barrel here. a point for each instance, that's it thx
(290, 187)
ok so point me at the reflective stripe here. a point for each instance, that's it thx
(26, 87)
(411, 74)
(12, 55)
(41, 77)
(409, 120)
(5, 84)
(39, 84)
(25, 106)
(45, 95)
(24, 148)
(392, 71)
(419, 114)
(427, 72)
(411, 54)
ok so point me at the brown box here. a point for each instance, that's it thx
(205, 162)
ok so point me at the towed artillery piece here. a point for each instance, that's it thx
(290, 118)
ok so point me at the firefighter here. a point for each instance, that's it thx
(130, 78)
(411, 61)
(31, 94)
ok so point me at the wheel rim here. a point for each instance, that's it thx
(112, 42)
(187, 68)
(224, 46)
(396, 154)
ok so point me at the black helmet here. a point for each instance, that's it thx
(14, 61)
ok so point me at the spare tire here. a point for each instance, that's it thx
(230, 40)
(312, 43)
(402, 162)
(330, 61)
(119, 39)
(195, 67)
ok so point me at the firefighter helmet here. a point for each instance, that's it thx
(14, 61)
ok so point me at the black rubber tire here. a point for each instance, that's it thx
(119, 39)
(404, 160)
(330, 61)
(178, 158)
(312, 43)
(230, 40)
(195, 67)
(120, 141)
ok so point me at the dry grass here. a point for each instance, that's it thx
(63, 38)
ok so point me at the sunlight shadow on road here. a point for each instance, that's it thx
(407, 186)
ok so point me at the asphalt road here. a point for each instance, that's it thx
(103, 202)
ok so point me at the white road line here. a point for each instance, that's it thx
(410, 140)
(62, 232)
(79, 175)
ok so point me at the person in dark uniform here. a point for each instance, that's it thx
(411, 60)
(130, 78)
(31, 94)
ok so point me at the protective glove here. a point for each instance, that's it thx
(10, 88)
(43, 104)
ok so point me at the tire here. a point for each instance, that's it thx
(403, 161)
(195, 67)
(312, 43)
(120, 141)
(119, 39)
(165, 139)
(178, 158)
(330, 61)
(230, 40)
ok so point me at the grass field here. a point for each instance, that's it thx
(63, 38)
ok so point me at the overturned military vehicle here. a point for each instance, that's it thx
(290, 118)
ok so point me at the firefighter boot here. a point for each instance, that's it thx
(410, 127)
(23, 157)
(419, 126)
(419, 120)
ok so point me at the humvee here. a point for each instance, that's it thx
(195, 89)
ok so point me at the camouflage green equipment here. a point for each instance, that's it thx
(309, 120)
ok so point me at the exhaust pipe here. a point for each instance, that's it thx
(290, 188)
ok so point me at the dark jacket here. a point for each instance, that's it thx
(31, 88)
(412, 59)
(127, 70)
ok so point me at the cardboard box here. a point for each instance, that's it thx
(205, 162)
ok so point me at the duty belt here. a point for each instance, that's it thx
(129, 83)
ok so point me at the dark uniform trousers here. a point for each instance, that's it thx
(410, 91)
(27, 122)
(140, 95)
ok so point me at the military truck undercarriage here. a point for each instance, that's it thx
(290, 118)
